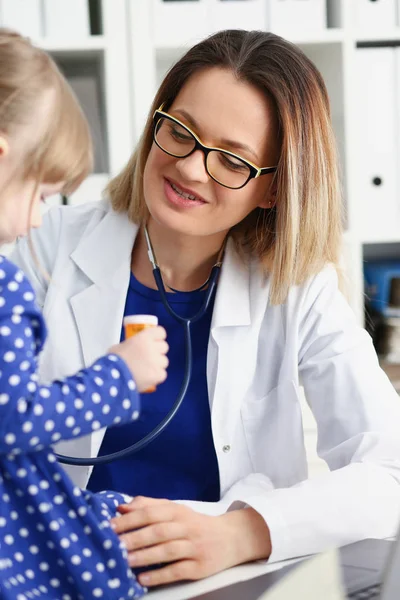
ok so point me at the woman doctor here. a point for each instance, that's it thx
(237, 159)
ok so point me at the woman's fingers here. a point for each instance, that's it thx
(141, 517)
(153, 534)
(140, 502)
(161, 553)
(179, 571)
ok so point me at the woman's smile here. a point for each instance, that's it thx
(180, 196)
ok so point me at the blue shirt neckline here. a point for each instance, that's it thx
(173, 297)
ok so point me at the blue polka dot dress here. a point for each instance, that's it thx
(56, 542)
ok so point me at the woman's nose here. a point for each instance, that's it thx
(193, 167)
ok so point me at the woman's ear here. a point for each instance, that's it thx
(269, 200)
(4, 146)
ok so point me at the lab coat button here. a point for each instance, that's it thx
(226, 448)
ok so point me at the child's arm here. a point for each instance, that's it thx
(34, 416)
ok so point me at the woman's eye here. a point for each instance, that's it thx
(180, 135)
(232, 163)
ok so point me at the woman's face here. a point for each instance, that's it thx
(224, 113)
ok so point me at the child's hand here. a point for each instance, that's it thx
(145, 355)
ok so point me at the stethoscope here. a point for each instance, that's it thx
(210, 284)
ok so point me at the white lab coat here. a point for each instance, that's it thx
(258, 356)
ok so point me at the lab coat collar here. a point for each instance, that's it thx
(104, 256)
(104, 253)
(232, 302)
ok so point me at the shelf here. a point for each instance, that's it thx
(94, 43)
(387, 35)
(324, 36)
(379, 241)
(91, 189)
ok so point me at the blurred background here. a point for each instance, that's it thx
(115, 53)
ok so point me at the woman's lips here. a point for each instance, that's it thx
(178, 199)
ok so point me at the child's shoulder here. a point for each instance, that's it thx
(15, 288)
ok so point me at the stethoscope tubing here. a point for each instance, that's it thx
(186, 323)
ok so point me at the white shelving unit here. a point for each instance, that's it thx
(140, 39)
(106, 56)
(161, 31)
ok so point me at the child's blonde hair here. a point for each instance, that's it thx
(62, 149)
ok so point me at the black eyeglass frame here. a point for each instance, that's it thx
(254, 170)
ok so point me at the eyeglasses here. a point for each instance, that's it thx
(226, 168)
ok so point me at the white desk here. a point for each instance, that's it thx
(184, 591)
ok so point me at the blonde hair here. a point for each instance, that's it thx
(302, 233)
(61, 150)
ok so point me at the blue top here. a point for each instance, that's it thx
(181, 463)
(55, 540)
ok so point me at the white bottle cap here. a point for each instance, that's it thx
(141, 320)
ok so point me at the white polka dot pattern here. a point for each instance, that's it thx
(55, 541)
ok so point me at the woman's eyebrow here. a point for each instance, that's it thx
(224, 142)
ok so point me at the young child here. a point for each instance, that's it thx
(55, 540)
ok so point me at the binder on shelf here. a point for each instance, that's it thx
(87, 90)
(66, 18)
(334, 13)
(375, 15)
(24, 16)
(376, 156)
(50, 202)
(396, 131)
(90, 190)
(179, 24)
(299, 15)
(238, 14)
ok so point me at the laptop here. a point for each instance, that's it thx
(370, 571)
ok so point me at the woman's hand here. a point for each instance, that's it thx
(192, 545)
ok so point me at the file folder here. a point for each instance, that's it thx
(24, 16)
(238, 14)
(299, 15)
(376, 158)
(376, 15)
(67, 19)
(179, 24)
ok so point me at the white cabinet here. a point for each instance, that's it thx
(67, 19)
(377, 158)
(234, 14)
(176, 23)
(181, 23)
(374, 14)
(294, 15)
(23, 15)
(98, 64)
